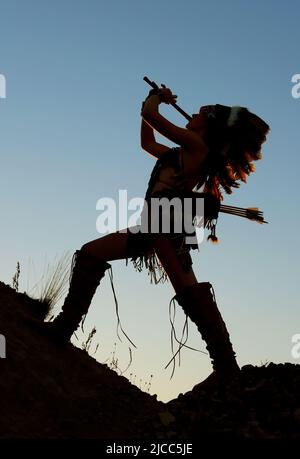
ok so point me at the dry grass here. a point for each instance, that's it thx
(54, 282)
(86, 346)
(15, 280)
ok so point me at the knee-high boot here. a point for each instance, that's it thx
(86, 274)
(200, 306)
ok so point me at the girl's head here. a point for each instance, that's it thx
(234, 137)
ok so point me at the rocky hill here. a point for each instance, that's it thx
(52, 392)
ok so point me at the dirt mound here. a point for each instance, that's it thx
(49, 391)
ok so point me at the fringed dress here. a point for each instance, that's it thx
(167, 180)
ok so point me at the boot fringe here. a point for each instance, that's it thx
(181, 341)
(210, 324)
(119, 324)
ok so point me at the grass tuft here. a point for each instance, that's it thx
(86, 346)
(54, 282)
(15, 280)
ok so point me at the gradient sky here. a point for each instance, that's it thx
(69, 135)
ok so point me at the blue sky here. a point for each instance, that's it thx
(69, 135)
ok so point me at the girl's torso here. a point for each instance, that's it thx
(177, 169)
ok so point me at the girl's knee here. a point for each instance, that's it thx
(94, 245)
(87, 247)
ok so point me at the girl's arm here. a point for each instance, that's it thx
(148, 142)
(183, 137)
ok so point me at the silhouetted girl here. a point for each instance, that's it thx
(215, 150)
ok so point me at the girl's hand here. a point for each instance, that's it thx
(166, 96)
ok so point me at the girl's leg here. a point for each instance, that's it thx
(166, 253)
(88, 268)
(199, 304)
(113, 246)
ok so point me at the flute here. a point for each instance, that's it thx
(155, 86)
